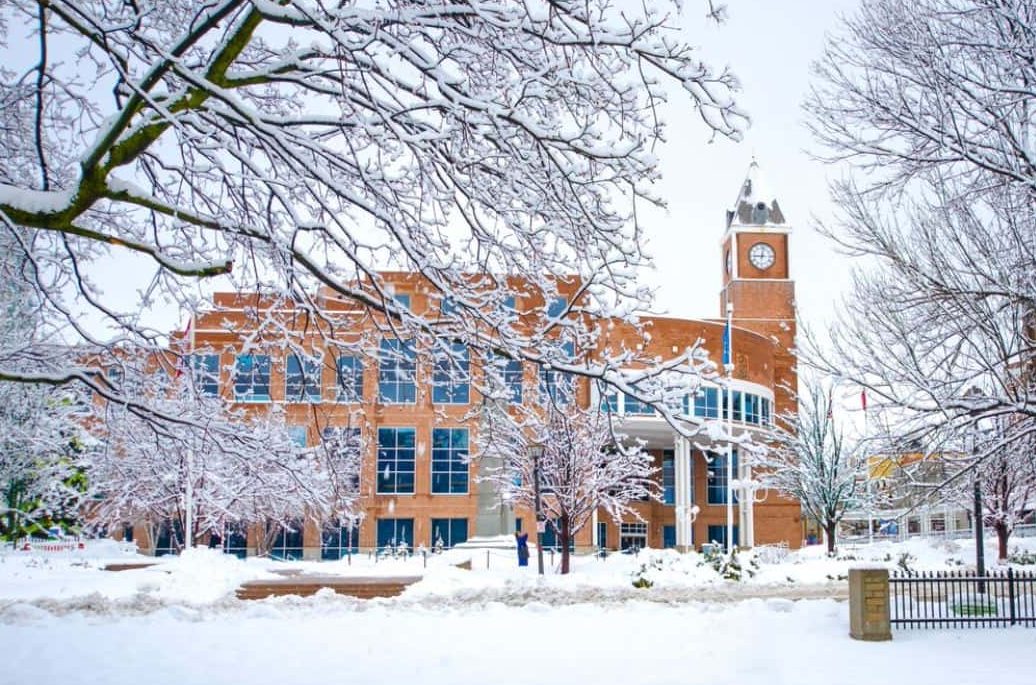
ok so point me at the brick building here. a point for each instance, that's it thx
(417, 426)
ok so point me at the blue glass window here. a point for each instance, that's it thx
(668, 537)
(403, 300)
(602, 534)
(397, 367)
(448, 532)
(448, 307)
(752, 409)
(668, 477)
(631, 405)
(337, 542)
(299, 435)
(610, 402)
(549, 537)
(450, 461)
(557, 385)
(205, 372)
(718, 534)
(706, 404)
(349, 371)
(556, 307)
(392, 533)
(396, 459)
(717, 481)
(765, 412)
(301, 379)
(737, 406)
(287, 546)
(252, 378)
(451, 377)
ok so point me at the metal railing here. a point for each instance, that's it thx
(948, 599)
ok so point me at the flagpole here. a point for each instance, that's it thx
(728, 363)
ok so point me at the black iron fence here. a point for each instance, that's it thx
(948, 599)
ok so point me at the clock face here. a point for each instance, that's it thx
(761, 255)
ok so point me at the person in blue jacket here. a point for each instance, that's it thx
(523, 548)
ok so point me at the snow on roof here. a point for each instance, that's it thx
(756, 204)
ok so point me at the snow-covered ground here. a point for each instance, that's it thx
(64, 620)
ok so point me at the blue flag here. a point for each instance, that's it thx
(726, 344)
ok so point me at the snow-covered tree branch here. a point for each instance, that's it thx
(297, 149)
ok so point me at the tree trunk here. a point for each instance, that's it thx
(1003, 534)
(829, 530)
(566, 535)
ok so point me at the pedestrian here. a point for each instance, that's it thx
(523, 548)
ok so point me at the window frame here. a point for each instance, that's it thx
(307, 378)
(256, 363)
(453, 460)
(397, 357)
(389, 455)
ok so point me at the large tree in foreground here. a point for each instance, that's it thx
(811, 461)
(297, 148)
(930, 104)
(573, 459)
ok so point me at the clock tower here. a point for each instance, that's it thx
(757, 278)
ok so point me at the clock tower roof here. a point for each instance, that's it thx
(756, 204)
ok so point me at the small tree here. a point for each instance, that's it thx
(581, 462)
(1007, 485)
(811, 462)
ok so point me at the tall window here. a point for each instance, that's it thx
(450, 380)
(736, 406)
(395, 532)
(448, 532)
(397, 367)
(396, 458)
(301, 379)
(556, 307)
(764, 412)
(349, 375)
(252, 378)
(718, 534)
(339, 541)
(510, 374)
(205, 372)
(706, 404)
(555, 384)
(717, 482)
(668, 477)
(752, 409)
(450, 461)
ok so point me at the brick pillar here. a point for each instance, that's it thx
(869, 617)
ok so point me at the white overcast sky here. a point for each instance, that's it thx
(770, 45)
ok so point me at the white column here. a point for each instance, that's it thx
(747, 506)
(684, 492)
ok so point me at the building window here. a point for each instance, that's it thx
(449, 461)
(602, 535)
(706, 404)
(764, 411)
(451, 378)
(557, 385)
(205, 372)
(752, 409)
(632, 536)
(447, 307)
(548, 539)
(288, 545)
(397, 368)
(631, 405)
(556, 307)
(717, 481)
(395, 533)
(349, 374)
(404, 300)
(507, 373)
(301, 379)
(337, 542)
(396, 458)
(299, 435)
(668, 537)
(252, 378)
(447, 533)
(668, 477)
(718, 534)
(738, 414)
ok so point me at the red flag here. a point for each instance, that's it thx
(830, 406)
(863, 399)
